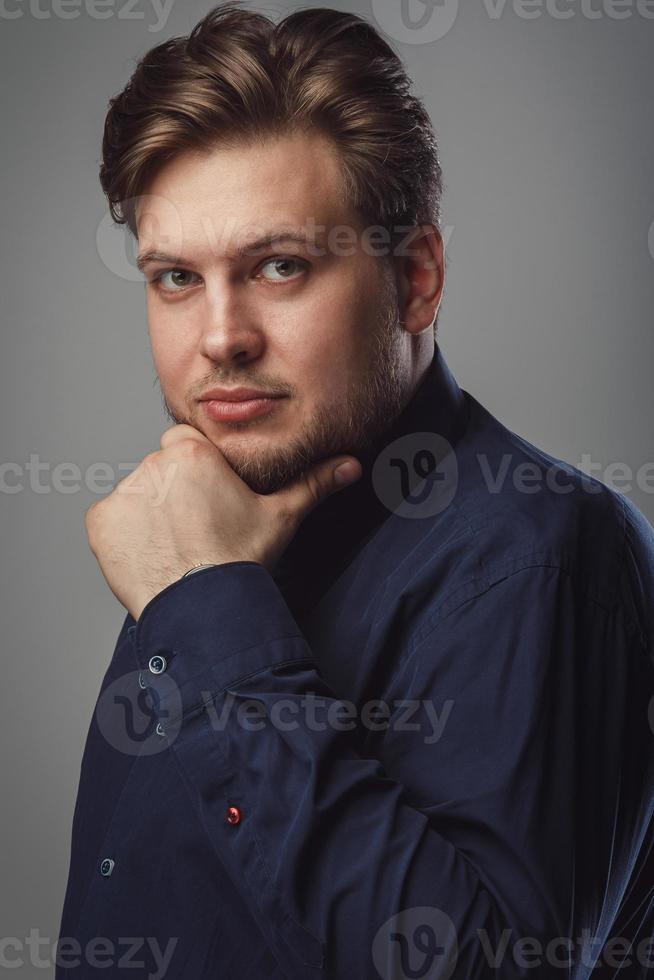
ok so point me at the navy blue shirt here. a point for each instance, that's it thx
(421, 746)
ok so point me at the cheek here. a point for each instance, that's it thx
(172, 351)
(322, 364)
(329, 340)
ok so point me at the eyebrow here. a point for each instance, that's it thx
(298, 236)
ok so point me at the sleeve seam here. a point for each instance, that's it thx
(199, 706)
(467, 592)
(474, 588)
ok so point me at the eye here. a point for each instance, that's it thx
(282, 264)
(177, 278)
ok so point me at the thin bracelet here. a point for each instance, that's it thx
(196, 568)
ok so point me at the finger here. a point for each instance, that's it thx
(318, 483)
(177, 433)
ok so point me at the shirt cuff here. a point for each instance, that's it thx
(205, 632)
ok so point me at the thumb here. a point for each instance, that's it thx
(318, 483)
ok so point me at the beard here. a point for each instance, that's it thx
(371, 404)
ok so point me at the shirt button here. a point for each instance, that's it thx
(106, 866)
(142, 683)
(233, 815)
(157, 664)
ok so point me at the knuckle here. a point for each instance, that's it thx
(144, 470)
(192, 448)
(168, 437)
(92, 519)
(287, 516)
(313, 487)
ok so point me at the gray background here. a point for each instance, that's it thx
(547, 148)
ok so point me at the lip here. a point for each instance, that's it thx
(236, 394)
(237, 404)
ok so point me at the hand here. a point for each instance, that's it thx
(184, 505)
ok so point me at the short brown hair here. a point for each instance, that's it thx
(238, 77)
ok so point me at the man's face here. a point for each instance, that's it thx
(316, 323)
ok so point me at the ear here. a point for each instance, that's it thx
(420, 271)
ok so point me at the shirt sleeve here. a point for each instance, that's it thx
(428, 846)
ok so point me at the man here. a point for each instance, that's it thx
(397, 725)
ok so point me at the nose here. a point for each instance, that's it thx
(231, 331)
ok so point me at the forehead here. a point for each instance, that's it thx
(222, 197)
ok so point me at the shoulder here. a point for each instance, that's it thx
(518, 508)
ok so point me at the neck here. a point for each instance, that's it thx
(334, 532)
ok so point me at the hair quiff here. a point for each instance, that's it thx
(239, 77)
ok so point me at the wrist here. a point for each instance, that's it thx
(196, 568)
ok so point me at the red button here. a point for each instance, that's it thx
(233, 815)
